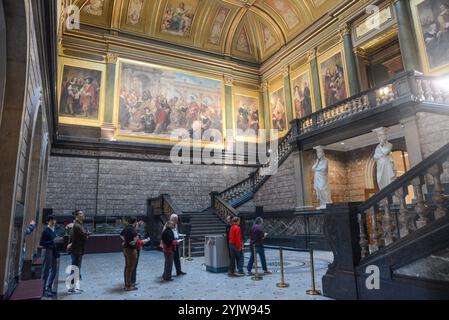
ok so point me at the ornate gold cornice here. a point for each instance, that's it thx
(229, 80)
(111, 58)
(264, 86)
(311, 55)
(345, 29)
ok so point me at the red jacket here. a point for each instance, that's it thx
(235, 237)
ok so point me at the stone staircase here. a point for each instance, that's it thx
(204, 223)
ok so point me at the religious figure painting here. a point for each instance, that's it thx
(243, 42)
(94, 7)
(155, 101)
(218, 25)
(285, 10)
(80, 93)
(134, 12)
(268, 37)
(278, 111)
(333, 81)
(432, 24)
(178, 17)
(246, 110)
(302, 95)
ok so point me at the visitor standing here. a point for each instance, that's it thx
(50, 256)
(236, 248)
(175, 220)
(257, 236)
(140, 244)
(169, 244)
(130, 236)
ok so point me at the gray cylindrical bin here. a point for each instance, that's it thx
(216, 253)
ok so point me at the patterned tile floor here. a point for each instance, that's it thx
(103, 279)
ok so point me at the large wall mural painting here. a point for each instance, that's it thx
(247, 113)
(302, 96)
(432, 26)
(81, 92)
(277, 110)
(155, 101)
(178, 17)
(333, 81)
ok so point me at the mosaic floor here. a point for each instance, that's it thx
(103, 279)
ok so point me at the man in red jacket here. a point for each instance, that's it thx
(236, 248)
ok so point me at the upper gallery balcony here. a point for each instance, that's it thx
(382, 106)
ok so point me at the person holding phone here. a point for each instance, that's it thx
(140, 244)
(257, 236)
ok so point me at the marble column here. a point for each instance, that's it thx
(406, 34)
(311, 55)
(362, 63)
(351, 66)
(266, 105)
(288, 95)
(107, 126)
(229, 82)
(412, 140)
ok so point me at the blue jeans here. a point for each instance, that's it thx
(49, 268)
(77, 260)
(261, 252)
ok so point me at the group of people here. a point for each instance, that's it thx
(234, 237)
(76, 247)
(248, 118)
(133, 244)
(158, 115)
(436, 36)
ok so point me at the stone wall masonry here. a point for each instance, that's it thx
(121, 187)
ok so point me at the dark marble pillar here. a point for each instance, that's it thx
(351, 65)
(315, 78)
(407, 40)
(228, 107)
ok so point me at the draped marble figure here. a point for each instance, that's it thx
(386, 172)
(321, 178)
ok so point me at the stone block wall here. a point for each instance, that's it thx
(121, 187)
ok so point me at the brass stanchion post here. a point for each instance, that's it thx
(257, 276)
(190, 251)
(312, 291)
(184, 249)
(282, 284)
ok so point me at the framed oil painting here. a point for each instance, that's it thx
(278, 112)
(302, 92)
(81, 92)
(153, 101)
(247, 114)
(333, 78)
(431, 18)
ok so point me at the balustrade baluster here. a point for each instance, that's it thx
(388, 224)
(438, 196)
(406, 219)
(374, 234)
(363, 239)
(421, 209)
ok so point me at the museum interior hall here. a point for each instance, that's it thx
(185, 149)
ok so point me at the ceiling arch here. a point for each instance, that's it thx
(250, 30)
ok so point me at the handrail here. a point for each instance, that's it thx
(437, 157)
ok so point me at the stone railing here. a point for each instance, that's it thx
(222, 208)
(405, 87)
(387, 217)
(256, 179)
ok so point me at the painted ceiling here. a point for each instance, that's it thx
(250, 30)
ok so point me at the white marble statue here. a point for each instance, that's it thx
(321, 179)
(386, 172)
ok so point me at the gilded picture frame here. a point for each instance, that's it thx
(165, 140)
(426, 19)
(299, 74)
(336, 53)
(243, 96)
(67, 67)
